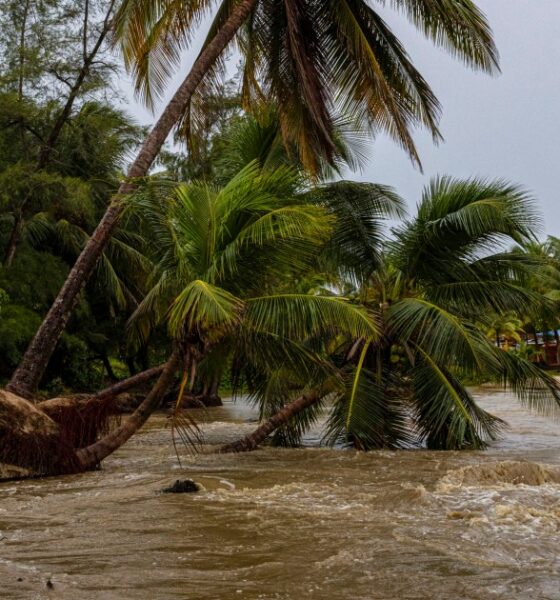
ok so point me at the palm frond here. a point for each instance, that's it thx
(459, 26)
(152, 34)
(299, 316)
(361, 211)
(203, 306)
(458, 223)
(441, 334)
(447, 416)
(371, 413)
(534, 387)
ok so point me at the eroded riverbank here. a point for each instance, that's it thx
(306, 523)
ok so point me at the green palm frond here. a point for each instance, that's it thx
(39, 229)
(152, 35)
(362, 211)
(457, 25)
(254, 138)
(294, 233)
(458, 223)
(368, 416)
(444, 336)
(534, 387)
(299, 316)
(203, 306)
(151, 310)
(258, 354)
(446, 414)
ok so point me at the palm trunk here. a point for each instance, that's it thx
(215, 387)
(27, 376)
(108, 367)
(253, 440)
(53, 404)
(13, 242)
(129, 383)
(92, 455)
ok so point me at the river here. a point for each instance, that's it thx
(290, 524)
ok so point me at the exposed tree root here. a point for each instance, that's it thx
(81, 419)
(42, 439)
(30, 439)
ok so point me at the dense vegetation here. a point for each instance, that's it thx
(246, 261)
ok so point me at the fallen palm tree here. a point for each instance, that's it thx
(42, 438)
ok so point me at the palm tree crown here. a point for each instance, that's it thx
(221, 256)
(322, 63)
(445, 270)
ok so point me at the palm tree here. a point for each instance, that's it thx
(313, 59)
(444, 272)
(545, 281)
(506, 326)
(219, 251)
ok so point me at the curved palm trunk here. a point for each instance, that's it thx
(27, 376)
(253, 440)
(129, 383)
(109, 393)
(93, 454)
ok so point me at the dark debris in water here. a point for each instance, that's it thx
(182, 486)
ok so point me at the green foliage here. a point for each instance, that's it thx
(50, 99)
(320, 64)
(225, 258)
(34, 279)
(445, 272)
(41, 44)
(17, 326)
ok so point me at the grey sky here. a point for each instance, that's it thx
(507, 126)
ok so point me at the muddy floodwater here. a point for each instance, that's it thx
(291, 524)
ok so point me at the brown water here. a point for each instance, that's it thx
(289, 524)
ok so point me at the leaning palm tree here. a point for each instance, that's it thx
(316, 60)
(444, 273)
(219, 253)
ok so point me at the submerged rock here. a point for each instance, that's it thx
(182, 486)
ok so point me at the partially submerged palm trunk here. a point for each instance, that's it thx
(253, 440)
(90, 456)
(27, 376)
(83, 417)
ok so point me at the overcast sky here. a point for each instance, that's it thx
(506, 126)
